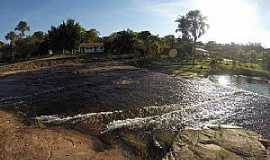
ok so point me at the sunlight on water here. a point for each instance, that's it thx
(251, 84)
(224, 80)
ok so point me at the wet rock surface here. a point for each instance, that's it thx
(26, 143)
(100, 98)
(218, 143)
(82, 88)
(19, 141)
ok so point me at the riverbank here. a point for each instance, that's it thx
(20, 141)
(202, 68)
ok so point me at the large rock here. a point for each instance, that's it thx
(20, 142)
(217, 143)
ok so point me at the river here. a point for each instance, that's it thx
(252, 84)
(116, 95)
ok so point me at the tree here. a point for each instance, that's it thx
(2, 44)
(12, 37)
(266, 60)
(90, 36)
(124, 42)
(34, 45)
(169, 41)
(66, 36)
(39, 35)
(156, 45)
(193, 25)
(128, 41)
(145, 37)
(22, 27)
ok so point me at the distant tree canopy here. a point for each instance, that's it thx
(170, 40)
(240, 52)
(123, 42)
(21, 47)
(11, 36)
(128, 41)
(39, 35)
(34, 45)
(66, 36)
(22, 27)
(144, 35)
(90, 36)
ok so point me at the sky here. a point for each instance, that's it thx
(239, 21)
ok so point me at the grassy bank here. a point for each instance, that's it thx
(202, 68)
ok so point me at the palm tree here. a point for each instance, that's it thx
(192, 25)
(22, 27)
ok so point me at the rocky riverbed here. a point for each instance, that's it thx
(100, 98)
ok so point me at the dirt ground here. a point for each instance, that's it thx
(26, 143)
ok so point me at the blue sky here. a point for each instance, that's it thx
(238, 21)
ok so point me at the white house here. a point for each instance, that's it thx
(201, 52)
(89, 48)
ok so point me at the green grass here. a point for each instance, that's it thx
(247, 69)
(202, 69)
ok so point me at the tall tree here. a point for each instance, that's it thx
(145, 37)
(124, 42)
(193, 25)
(12, 37)
(22, 27)
(66, 36)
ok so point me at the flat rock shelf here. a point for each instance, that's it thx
(104, 97)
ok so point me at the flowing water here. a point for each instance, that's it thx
(252, 84)
(124, 96)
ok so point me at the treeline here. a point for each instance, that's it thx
(243, 53)
(144, 43)
(66, 38)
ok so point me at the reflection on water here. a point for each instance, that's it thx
(242, 82)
